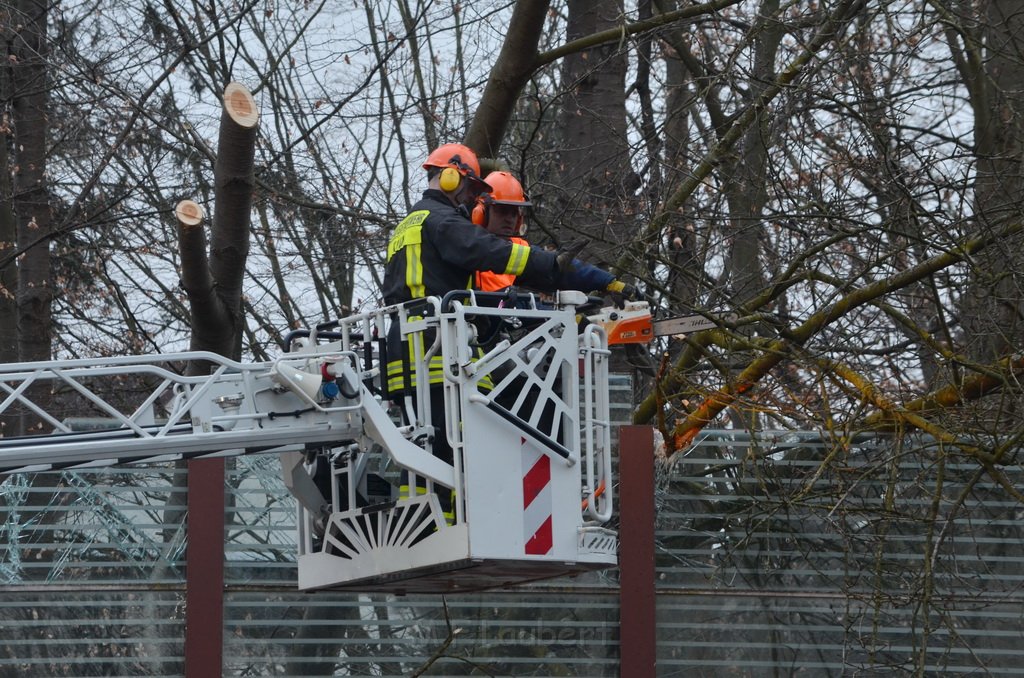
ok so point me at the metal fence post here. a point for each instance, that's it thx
(204, 574)
(637, 633)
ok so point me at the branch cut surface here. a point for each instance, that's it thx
(240, 105)
(189, 213)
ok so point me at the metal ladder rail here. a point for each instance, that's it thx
(196, 425)
(596, 424)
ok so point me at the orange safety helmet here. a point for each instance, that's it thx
(456, 161)
(505, 190)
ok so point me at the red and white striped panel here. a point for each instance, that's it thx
(536, 500)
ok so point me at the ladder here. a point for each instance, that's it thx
(525, 397)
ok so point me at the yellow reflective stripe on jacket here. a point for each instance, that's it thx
(403, 491)
(396, 368)
(449, 515)
(517, 259)
(414, 271)
(396, 374)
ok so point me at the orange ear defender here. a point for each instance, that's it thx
(479, 216)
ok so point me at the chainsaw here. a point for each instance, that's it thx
(634, 324)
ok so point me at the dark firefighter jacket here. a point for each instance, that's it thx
(437, 249)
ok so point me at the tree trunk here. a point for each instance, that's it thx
(746, 184)
(679, 236)
(214, 283)
(594, 181)
(214, 287)
(512, 70)
(33, 216)
(8, 226)
(994, 302)
(30, 202)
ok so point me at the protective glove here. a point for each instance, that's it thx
(567, 256)
(621, 292)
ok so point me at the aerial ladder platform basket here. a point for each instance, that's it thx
(525, 496)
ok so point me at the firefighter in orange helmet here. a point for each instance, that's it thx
(501, 213)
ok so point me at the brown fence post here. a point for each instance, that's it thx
(637, 633)
(204, 574)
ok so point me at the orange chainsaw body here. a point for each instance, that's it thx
(630, 325)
